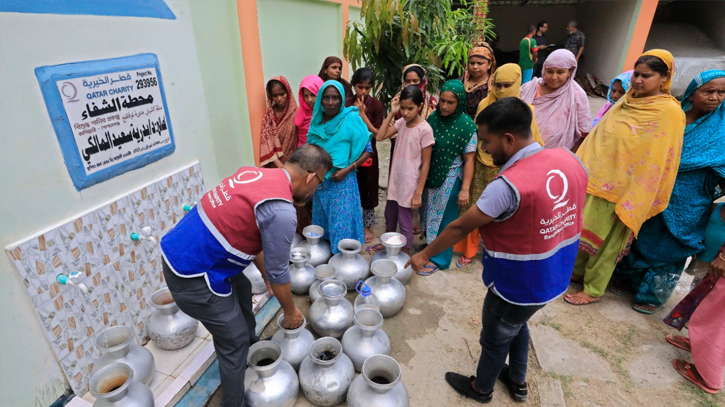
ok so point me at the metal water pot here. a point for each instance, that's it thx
(117, 344)
(169, 327)
(350, 265)
(323, 272)
(392, 243)
(379, 385)
(326, 373)
(113, 386)
(295, 343)
(302, 275)
(319, 248)
(390, 291)
(255, 277)
(296, 240)
(332, 314)
(269, 380)
(365, 339)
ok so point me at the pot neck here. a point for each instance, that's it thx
(383, 279)
(120, 395)
(332, 302)
(169, 309)
(266, 372)
(366, 331)
(118, 353)
(348, 255)
(291, 334)
(299, 264)
(380, 389)
(312, 241)
(392, 251)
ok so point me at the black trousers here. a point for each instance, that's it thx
(229, 320)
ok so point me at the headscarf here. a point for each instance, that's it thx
(304, 113)
(625, 79)
(451, 134)
(279, 135)
(634, 152)
(344, 136)
(563, 116)
(323, 75)
(505, 73)
(702, 164)
(429, 102)
(484, 51)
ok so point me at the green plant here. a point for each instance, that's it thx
(395, 33)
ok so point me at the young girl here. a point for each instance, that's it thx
(307, 96)
(619, 87)
(279, 135)
(371, 112)
(410, 164)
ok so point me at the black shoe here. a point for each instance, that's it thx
(462, 384)
(518, 392)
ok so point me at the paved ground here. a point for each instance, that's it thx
(604, 354)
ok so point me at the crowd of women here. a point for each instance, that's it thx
(655, 165)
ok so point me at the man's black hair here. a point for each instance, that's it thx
(507, 115)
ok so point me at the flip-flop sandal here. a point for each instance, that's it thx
(428, 269)
(646, 311)
(618, 289)
(374, 248)
(686, 372)
(681, 342)
(463, 262)
(587, 301)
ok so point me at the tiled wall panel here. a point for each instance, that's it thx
(120, 274)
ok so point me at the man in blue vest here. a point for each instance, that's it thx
(529, 218)
(248, 217)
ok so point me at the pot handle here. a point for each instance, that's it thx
(365, 290)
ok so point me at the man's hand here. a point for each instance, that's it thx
(418, 261)
(269, 287)
(717, 267)
(293, 320)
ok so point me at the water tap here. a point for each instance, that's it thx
(144, 235)
(187, 208)
(74, 279)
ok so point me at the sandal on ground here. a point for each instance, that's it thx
(463, 261)
(580, 300)
(428, 269)
(374, 248)
(679, 341)
(689, 372)
(638, 308)
(618, 288)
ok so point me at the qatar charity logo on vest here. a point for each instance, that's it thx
(219, 194)
(557, 188)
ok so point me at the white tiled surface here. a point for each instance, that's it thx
(120, 274)
(169, 361)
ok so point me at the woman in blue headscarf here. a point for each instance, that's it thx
(664, 243)
(343, 134)
(618, 88)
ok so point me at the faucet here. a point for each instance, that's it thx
(144, 235)
(74, 279)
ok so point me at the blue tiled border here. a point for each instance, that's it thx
(116, 8)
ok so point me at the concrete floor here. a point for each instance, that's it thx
(605, 354)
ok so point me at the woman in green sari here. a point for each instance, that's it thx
(451, 168)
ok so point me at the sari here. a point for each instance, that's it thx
(345, 84)
(563, 116)
(632, 156)
(279, 134)
(484, 169)
(666, 241)
(455, 135)
(625, 79)
(475, 93)
(336, 207)
(304, 113)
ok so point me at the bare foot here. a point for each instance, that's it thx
(369, 236)
(581, 298)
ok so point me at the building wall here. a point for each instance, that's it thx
(606, 25)
(198, 54)
(709, 16)
(296, 36)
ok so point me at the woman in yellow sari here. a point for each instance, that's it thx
(506, 83)
(632, 156)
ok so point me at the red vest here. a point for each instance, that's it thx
(228, 209)
(529, 256)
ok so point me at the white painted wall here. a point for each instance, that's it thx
(36, 191)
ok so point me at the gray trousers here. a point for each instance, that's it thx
(229, 320)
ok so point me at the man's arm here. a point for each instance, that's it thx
(452, 234)
(578, 54)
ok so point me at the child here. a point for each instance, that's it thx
(619, 87)
(411, 161)
(714, 240)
